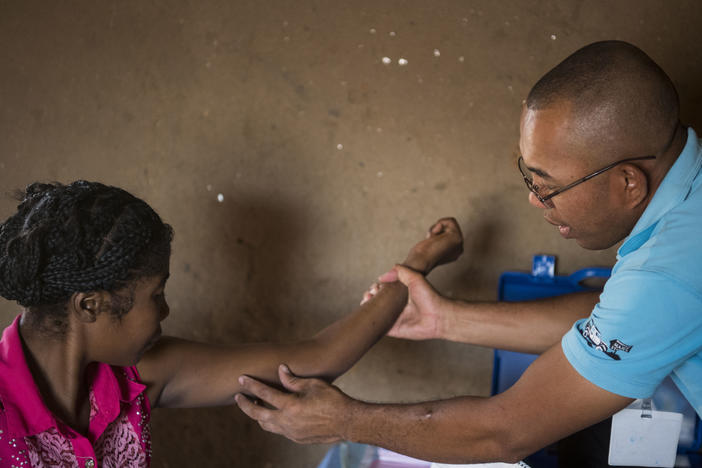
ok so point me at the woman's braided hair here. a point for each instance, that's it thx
(80, 237)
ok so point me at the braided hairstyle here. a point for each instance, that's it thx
(80, 237)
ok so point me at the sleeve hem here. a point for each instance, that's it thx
(612, 384)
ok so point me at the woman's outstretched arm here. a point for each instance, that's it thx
(182, 373)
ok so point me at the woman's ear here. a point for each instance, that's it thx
(633, 183)
(87, 306)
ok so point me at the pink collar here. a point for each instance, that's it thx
(25, 410)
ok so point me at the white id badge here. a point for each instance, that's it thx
(642, 436)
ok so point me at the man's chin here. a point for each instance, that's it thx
(590, 244)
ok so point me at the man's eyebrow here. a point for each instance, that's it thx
(540, 173)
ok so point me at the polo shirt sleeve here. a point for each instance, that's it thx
(645, 325)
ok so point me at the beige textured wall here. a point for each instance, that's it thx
(179, 101)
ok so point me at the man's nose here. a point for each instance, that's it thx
(535, 201)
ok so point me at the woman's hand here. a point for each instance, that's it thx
(443, 244)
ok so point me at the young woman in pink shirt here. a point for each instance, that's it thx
(84, 363)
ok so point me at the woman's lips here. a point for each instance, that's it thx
(154, 340)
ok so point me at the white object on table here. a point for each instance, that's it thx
(482, 465)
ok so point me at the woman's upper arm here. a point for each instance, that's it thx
(155, 369)
(181, 373)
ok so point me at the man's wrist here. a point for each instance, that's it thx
(444, 318)
(352, 426)
(446, 321)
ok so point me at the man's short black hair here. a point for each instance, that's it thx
(610, 73)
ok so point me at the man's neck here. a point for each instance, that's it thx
(668, 157)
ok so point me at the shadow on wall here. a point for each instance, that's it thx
(483, 240)
(270, 238)
(241, 288)
(690, 93)
(692, 107)
(240, 276)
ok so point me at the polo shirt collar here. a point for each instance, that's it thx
(24, 408)
(674, 188)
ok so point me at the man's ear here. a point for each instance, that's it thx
(87, 306)
(633, 185)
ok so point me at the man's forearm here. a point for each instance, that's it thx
(550, 401)
(530, 327)
(436, 431)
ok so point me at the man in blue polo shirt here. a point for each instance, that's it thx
(606, 158)
(649, 315)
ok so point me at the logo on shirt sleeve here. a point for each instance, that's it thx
(593, 338)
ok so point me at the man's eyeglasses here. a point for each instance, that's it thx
(529, 179)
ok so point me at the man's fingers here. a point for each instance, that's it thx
(288, 379)
(389, 277)
(264, 416)
(264, 392)
(251, 409)
(406, 275)
(374, 288)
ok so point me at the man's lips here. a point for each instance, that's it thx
(564, 229)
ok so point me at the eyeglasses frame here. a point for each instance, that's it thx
(534, 188)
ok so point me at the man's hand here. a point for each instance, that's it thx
(443, 244)
(421, 317)
(312, 413)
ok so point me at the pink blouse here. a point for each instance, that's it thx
(30, 435)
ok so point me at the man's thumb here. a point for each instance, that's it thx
(406, 275)
(289, 381)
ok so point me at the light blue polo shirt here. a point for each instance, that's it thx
(648, 323)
